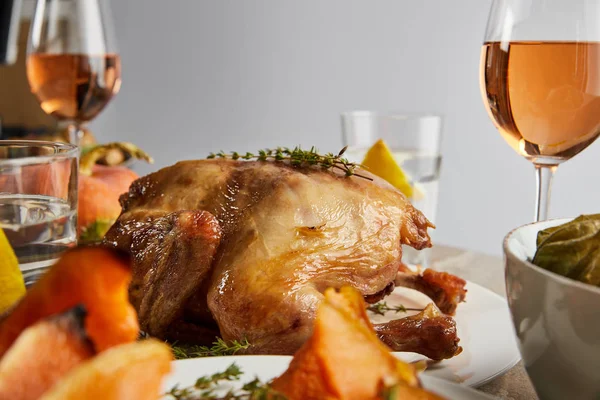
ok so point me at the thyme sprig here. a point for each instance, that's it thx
(298, 157)
(206, 387)
(218, 348)
(382, 307)
(390, 393)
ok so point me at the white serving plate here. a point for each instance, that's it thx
(185, 373)
(484, 328)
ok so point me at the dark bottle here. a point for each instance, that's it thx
(10, 16)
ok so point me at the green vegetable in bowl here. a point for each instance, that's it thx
(572, 249)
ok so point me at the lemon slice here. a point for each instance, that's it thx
(12, 286)
(380, 161)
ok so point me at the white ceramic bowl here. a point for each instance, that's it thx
(557, 321)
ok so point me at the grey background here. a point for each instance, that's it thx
(202, 75)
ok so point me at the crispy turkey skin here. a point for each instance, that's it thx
(245, 249)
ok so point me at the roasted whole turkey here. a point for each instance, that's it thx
(245, 249)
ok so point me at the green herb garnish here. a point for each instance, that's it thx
(382, 307)
(95, 232)
(218, 348)
(206, 387)
(390, 393)
(298, 157)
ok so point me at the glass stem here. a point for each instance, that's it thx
(544, 174)
(75, 133)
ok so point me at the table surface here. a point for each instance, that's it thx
(487, 271)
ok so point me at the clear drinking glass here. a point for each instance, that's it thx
(540, 80)
(72, 63)
(414, 141)
(38, 201)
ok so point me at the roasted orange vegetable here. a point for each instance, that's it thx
(100, 187)
(126, 372)
(344, 359)
(96, 277)
(43, 354)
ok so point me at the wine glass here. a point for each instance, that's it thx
(540, 80)
(72, 63)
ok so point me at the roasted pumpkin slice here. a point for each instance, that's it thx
(344, 359)
(43, 354)
(96, 277)
(125, 372)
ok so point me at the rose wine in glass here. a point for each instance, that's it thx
(540, 79)
(72, 65)
(73, 87)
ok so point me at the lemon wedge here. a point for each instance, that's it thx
(380, 161)
(12, 286)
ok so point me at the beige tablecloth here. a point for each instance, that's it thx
(487, 271)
